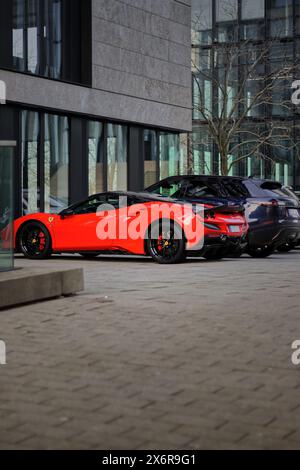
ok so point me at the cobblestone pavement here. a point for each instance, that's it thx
(195, 356)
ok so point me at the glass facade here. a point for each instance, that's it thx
(30, 138)
(268, 30)
(96, 157)
(169, 155)
(45, 162)
(62, 159)
(150, 157)
(117, 148)
(48, 38)
(56, 162)
(6, 206)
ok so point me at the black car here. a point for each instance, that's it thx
(272, 210)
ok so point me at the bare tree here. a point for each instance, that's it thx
(238, 84)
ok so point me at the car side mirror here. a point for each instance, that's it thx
(66, 213)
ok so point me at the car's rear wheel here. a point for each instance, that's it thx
(166, 243)
(285, 248)
(35, 241)
(260, 252)
(89, 255)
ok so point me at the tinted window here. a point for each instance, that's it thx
(90, 206)
(235, 188)
(201, 189)
(50, 38)
(167, 189)
(278, 189)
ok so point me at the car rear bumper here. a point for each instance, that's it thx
(222, 242)
(275, 234)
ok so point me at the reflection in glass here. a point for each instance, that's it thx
(253, 9)
(53, 38)
(30, 177)
(95, 149)
(37, 37)
(201, 22)
(202, 149)
(170, 161)
(116, 157)
(56, 152)
(151, 157)
(6, 208)
(281, 18)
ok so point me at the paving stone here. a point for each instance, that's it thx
(195, 356)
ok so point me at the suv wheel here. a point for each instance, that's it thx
(259, 252)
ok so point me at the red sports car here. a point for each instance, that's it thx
(131, 223)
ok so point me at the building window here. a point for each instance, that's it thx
(151, 157)
(96, 157)
(56, 162)
(280, 16)
(117, 137)
(45, 162)
(169, 155)
(30, 162)
(226, 17)
(253, 9)
(252, 16)
(201, 22)
(48, 38)
(6, 206)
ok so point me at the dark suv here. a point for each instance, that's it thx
(272, 210)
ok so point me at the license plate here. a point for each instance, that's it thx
(234, 228)
(294, 213)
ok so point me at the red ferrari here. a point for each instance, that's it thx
(130, 223)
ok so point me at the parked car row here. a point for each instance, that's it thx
(207, 216)
(271, 210)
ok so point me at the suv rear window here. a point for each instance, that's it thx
(278, 189)
(198, 189)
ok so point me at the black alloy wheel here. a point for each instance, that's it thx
(166, 243)
(35, 241)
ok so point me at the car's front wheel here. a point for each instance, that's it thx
(35, 241)
(166, 243)
(260, 252)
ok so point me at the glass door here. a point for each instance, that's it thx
(6, 206)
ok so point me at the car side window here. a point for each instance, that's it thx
(168, 190)
(90, 206)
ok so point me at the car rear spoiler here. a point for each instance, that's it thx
(226, 209)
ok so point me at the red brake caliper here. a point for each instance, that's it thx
(160, 243)
(42, 241)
